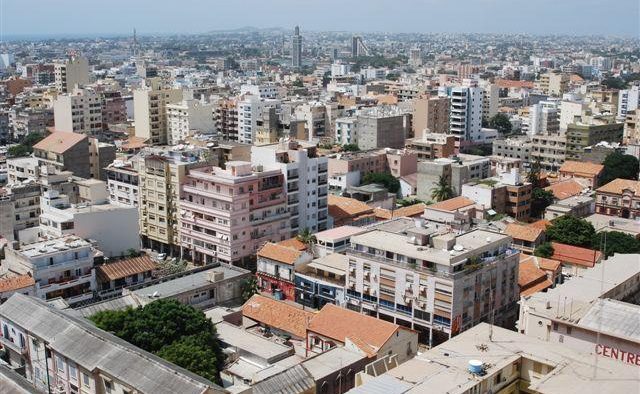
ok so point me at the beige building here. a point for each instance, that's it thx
(79, 111)
(436, 283)
(489, 359)
(549, 149)
(160, 174)
(632, 127)
(74, 71)
(150, 110)
(432, 114)
(553, 84)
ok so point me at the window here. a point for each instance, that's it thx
(59, 364)
(85, 379)
(108, 386)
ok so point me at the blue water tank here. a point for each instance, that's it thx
(475, 366)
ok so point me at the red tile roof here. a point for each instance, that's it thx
(60, 141)
(16, 283)
(618, 185)
(344, 207)
(523, 232)
(279, 253)
(277, 314)
(339, 323)
(452, 204)
(575, 255)
(127, 267)
(582, 168)
(409, 211)
(565, 189)
(542, 224)
(293, 243)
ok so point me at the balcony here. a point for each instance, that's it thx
(6, 342)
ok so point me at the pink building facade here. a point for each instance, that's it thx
(227, 215)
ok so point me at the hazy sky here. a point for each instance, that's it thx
(579, 17)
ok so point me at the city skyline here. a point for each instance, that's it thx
(478, 16)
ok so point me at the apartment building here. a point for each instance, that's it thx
(628, 100)
(544, 118)
(188, 117)
(590, 313)
(439, 284)
(346, 131)
(432, 146)
(620, 197)
(250, 111)
(505, 193)
(150, 110)
(25, 120)
(631, 132)
(382, 127)
(306, 177)
(161, 172)
(490, 95)
(322, 281)
(465, 114)
(68, 354)
(456, 170)
(276, 268)
(264, 91)
(61, 267)
(74, 71)
(513, 148)
(114, 228)
(492, 359)
(581, 136)
(66, 152)
(430, 115)
(553, 84)
(79, 111)
(226, 215)
(226, 120)
(114, 107)
(123, 183)
(19, 209)
(549, 149)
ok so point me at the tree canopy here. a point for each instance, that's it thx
(616, 242)
(501, 123)
(383, 178)
(544, 250)
(174, 331)
(25, 147)
(618, 165)
(350, 147)
(540, 200)
(571, 230)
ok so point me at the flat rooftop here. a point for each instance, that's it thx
(444, 369)
(612, 223)
(41, 248)
(190, 281)
(582, 290)
(338, 233)
(251, 343)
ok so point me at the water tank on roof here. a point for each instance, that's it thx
(475, 366)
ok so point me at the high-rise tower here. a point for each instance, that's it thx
(296, 48)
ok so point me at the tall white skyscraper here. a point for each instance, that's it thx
(465, 116)
(296, 48)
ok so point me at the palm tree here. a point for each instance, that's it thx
(442, 191)
(249, 288)
(306, 236)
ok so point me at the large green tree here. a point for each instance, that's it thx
(442, 191)
(571, 230)
(168, 327)
(618, 165)
(25, 147)
(544, 250)
(612, 242)
(383, 178)
(501, 123)
(540, 200)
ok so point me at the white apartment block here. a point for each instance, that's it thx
(544, 118)
(123, 183)
(61, 267)
(262, 91)
(250, 110)
(628, 100)
(74, 71)
(433, 281)
(346, 131)
(61, 353)
(187, 118)
(150, 111)
(571, 112)
(79, 111)
(113, 227)
(305, 174)
(465, 115)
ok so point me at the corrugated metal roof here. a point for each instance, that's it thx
(294, 380)
(93, 348)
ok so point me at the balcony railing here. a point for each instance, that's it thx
(14, 346)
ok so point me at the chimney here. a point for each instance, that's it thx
(216, 276)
